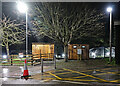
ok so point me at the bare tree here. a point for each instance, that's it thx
(11, 33)
(61, 23)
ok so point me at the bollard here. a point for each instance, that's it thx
(42, 65)
(55, 62)
(32, 60)
(11, 61)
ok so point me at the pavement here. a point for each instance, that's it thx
(70, 73)
(12, 74)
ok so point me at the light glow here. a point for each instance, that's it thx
(63, 55)
(5, 70)
(21, 56)
(4, 56)
(5, 79)
(22, 7)
(56, 55)
(108, 53)
(109, 9)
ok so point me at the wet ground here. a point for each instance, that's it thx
(12, 74)
(105, 75)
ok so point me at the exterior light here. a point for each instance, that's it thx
(74, 46)
(83, 46)
(22, 7)
(109, 9)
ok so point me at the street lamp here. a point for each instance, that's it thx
(109, 9)
(22, 7)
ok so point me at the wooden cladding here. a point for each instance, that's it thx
(78, 51)
(40, 49)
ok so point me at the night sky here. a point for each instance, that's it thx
(10, 9)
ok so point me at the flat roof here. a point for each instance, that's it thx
(42, 43)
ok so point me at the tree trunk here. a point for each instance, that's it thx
(7, 49)
(66, 52)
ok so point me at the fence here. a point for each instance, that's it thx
(31, 59)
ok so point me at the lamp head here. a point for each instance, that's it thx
(22, 7)
(109, 9)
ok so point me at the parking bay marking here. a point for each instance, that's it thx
(70, 78)
(55, 75)
(115, 81)
(78, 79)
(87, 75)
(104, 72)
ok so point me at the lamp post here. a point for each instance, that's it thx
(22, 7)
(109, 9)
